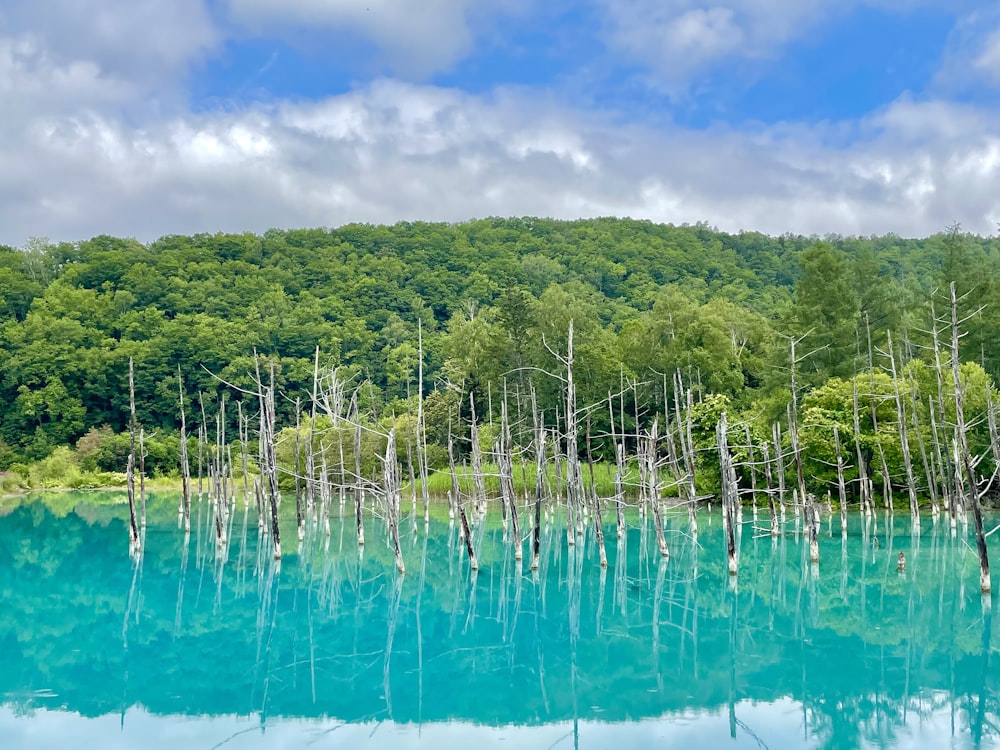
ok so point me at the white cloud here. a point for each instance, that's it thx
(394, 151)
(145, 41)
(413, 38)
(82, 152)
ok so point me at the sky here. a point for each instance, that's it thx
(143, 118)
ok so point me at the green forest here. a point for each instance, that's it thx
(488, 302)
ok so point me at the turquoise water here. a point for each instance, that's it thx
(186, 648)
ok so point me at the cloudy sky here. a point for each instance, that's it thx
(150, 117)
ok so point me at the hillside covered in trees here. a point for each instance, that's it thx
(490, 301)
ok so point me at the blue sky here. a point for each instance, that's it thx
(149, 117)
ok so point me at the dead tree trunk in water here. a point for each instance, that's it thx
(359, 490)
(391, 486)
(421, 432)
(768, 477)
(133, 529)
(779, 459)
(966, 459)
(300, 511)
(793, 431)
(652, 476)
(185, 507)
(460, 504)
(619, 472)
(505, 463)
(904, 440)
(927, 459)
(539, 427)
(598, 526)
(142, 479)
(864, 483)
(573, 483)
(268, 459)
(841, 484)
(729, 492)
(479, 486)
(687, 450)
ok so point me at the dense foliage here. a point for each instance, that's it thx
(491, 301)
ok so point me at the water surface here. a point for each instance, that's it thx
(189, 647)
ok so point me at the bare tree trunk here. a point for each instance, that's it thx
(421, 431)
(753, 469)
(688, 452)
(812, 518)
(653, 489)
(779, 458)
(925, 459)
(966, 459)
(479, 486)
(268, 459)
(300, 511)
(619, 471)
(359, 488)
(841, 484)
(311, 447)
(864, 483)
(505, 464)
(244, 423)
(391, 486)
(904, 440)
(185, 509)
(133, 529)
(539, 427)
(573, 483)
(729, 492)
(460, 504)
(598, 526)
(142, 478)
(770, 491)
(793, 431)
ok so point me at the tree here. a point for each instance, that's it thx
(826, 314)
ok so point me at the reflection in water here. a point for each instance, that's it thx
(331, 644)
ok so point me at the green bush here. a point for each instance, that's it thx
(11, 482)
(59, 469)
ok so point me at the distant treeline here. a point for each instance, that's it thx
(489, 300)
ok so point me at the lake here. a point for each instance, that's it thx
(187, 647)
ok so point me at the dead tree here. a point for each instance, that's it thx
(768, 478)
(651, 474)
(573, 476)
(841, 484)
(779, 466)
(359, 487)
(508, 497)
(685, 471)
(478, 482)
(729, 491)
(133, 529)
(864, 483)
(539, 428)
(964, 457)
(421, 431)
(267, 455)
(904, 441)
(142, 479)
(460, 504)
(595, 498)
(185, 505)
(391, 488)
(926, 458)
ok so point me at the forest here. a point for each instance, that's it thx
(483, 308)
